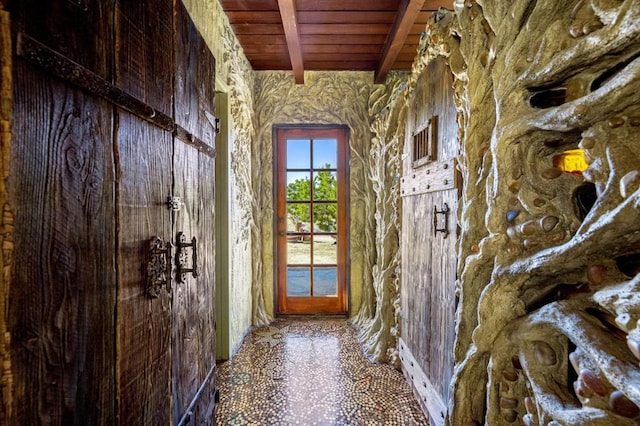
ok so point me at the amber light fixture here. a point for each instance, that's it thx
(572, 161)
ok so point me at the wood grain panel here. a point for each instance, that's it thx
(144, 324)
(401, 65)
(194, 79)
(343, 57)
(429, 265)
(144, 68)
(253, 17)
(62, 296)
(347, 5)
(428, 396)
(249, 42)
(346, 17)
(257, 5)
(206, 315)
(193, 314)
(357, 29)
(341, 48)
(434, 96)
(346, 65)
(330, 22)
(436, 4)
(434, 176)
(185, 339)
(429, 260)
(338, 39)
(193, 339)
(258, 29)
(83, 34)
(144, 61)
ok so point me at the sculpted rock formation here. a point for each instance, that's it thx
(547, 321)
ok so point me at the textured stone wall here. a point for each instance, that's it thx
(548, 278)
(325, 98)
(378, 317)
(234, 70)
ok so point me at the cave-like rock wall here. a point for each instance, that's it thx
(546, 324)
(378, 318)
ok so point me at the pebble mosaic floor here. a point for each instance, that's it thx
(311, 372)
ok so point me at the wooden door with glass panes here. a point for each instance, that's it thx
(311, 220)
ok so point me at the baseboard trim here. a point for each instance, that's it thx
(428, 396)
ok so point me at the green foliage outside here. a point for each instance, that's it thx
(325, 188)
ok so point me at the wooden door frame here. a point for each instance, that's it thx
(343, 255)
(223, 224)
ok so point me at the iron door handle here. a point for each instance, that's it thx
(182, 258)
(445, 226)
(158, 267)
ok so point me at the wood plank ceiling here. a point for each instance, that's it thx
(336, 35)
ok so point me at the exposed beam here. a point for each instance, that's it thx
(407, 14)
(290, 24)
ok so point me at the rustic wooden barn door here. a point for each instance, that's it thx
(145, 179)
(113, 119)
(166, 339)
(429, 231)
(62, 298)
(193, 316)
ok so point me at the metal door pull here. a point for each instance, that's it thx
(182, 258)
(159, 267)
(445, 226)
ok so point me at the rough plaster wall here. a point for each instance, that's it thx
(325, 98)
(547, 329)
(378, 317)
(234, 70)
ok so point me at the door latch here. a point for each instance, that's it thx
(174, 203)
(182, 258)
(445, 225)
(159, 267)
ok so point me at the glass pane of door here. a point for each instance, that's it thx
(311, 220)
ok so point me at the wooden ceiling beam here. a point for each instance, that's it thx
(290, 24)
(407, 15)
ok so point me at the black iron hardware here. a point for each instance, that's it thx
(159, 267)
(182, 258)
(67, 70)
(174, 203)
(82, 4)
(445, 226)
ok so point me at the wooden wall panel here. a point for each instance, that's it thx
(193, 341)
(428, 259)
(428, 292)
(81, 30)
(83, 233)
(194, 300)
(144, 63)
(144, 69)
(434, 96)
(206, 315)
(185, 337)
(144, 324)
(62, 296)
(195, 79)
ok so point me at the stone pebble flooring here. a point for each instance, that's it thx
(311, 372)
